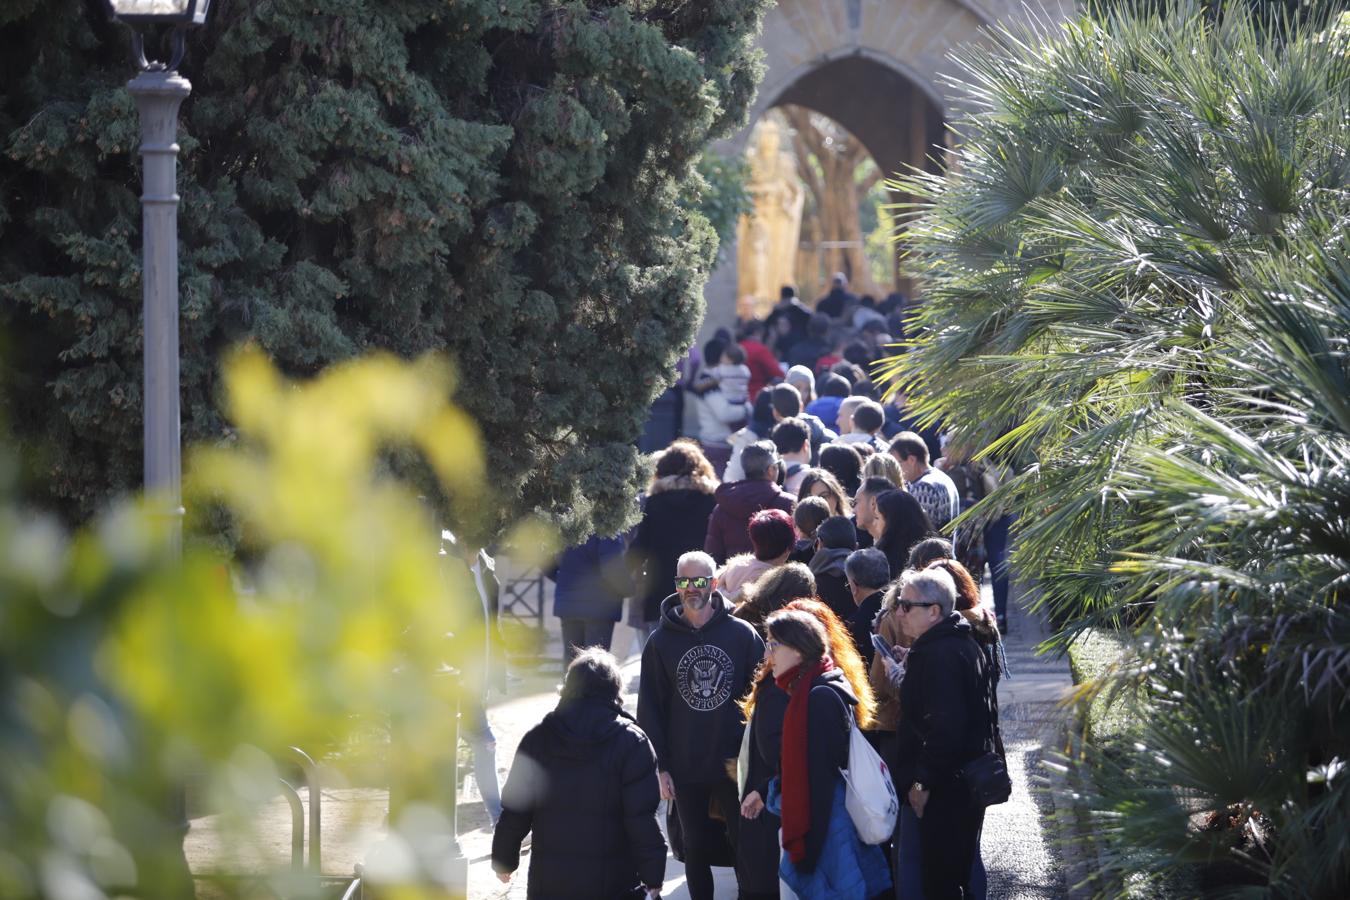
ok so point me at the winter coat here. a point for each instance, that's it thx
(591, 581)
(764, 367)
(584, 782)
(832, 582)
(947, 706)
(692, 679)
(837, 303)
(728, 526)
(806, 352)
(984, 625)
(937, 495)
(826, 411)
(674, 521)
(738, 440)
(821, 433)
(887, 716)
(758, 850)
(740, 571)
(859, 623)
(829, 719)
(711, 428)
(838, 865)
(847, 869)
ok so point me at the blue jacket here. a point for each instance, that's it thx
(591, 581)
(847, 869)
(826, 409)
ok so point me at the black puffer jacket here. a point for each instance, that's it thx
(584, 781)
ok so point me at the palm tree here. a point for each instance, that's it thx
(1137, 290)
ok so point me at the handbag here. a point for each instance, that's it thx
(986, 779)
(869, 794)
(986, 776)
(743, 763)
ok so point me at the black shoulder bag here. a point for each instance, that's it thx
(986, 776)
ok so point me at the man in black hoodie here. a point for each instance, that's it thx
(695, 667)
(584, 781)
(947, 719)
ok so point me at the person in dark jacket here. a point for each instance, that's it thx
(728, 526)
(757, 852)
(674, 521)
(823, 856)
(948, 718)
(787, 322)
(812, 347)
(590, 584)
(902, 524)
(868, 574)
(695, 668)
(836, 538)
(584, 782)
(840, 301)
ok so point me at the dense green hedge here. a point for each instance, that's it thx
(509, 180)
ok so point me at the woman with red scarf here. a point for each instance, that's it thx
(822, 854)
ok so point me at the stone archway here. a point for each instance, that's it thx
(875, 67)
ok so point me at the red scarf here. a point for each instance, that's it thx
(796, 788)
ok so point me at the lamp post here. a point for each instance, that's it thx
(159, 91)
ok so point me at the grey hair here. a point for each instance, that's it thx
(758, 460)
(697, 556)
(868, 568)
(932, 586)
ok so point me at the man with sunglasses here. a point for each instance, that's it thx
(696, 666)
(947, 719)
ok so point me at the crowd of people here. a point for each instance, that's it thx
(795, 577)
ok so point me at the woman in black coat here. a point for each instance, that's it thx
(757, 851)
(674, 521)
(584, 782)
(904, 525)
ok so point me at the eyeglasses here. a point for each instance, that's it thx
(683, 583)
(906, 606)
(771, 645)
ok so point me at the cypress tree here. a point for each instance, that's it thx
(511, 181)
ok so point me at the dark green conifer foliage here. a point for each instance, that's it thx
(510, 180)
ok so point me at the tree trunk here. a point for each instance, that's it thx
(829, 162)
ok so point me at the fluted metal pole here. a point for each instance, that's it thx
(158, 95)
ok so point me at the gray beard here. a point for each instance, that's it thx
(698, 603)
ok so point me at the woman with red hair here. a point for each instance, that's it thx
(772, 537)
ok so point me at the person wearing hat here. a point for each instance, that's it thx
(728, 526)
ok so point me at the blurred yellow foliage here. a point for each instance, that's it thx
(128, 671)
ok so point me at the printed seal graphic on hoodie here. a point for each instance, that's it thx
(704, 677)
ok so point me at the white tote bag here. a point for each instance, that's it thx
(870, 796)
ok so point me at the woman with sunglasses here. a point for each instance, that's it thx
(823, 856)
(758, 855)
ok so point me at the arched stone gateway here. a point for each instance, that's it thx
(875, 67)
